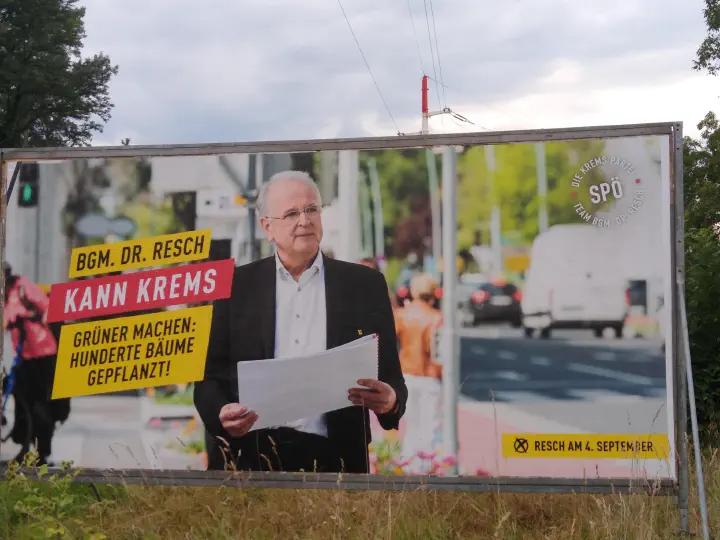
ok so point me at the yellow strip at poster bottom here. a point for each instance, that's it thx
(131, 353)
(585, 446)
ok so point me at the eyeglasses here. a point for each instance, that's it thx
(294, 215)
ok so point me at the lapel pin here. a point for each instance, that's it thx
(359, 332)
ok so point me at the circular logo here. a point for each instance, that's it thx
(520, 445)
(622, 192)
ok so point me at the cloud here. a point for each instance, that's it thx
(240, 71)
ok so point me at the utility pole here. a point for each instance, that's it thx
(432, 171)
(495, 218)
(445, 242)
(255, 177)
(541, 187)
(249, 193)
(426, 113)
(435, 212)
(449, 342)
(377, 206)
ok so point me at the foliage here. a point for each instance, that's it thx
(404, 189)
(702, 267)
(129, 180)
(515, 187)
(48, 508)
(701, 163)
(702, 288)
(385, 459)
(192, 447)
(406, 201)
(184, 397)
(49, 94)
(708, 54)
(89, 179)
(151, 219)
(234, 511)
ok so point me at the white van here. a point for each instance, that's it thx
(573, 283)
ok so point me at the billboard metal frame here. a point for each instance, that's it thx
(666, 486)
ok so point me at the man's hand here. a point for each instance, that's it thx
(376, 396)
(237, 419)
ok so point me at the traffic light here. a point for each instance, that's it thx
(27, 187)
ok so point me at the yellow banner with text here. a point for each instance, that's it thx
(130, 353)
(585, 446)
(145, 252)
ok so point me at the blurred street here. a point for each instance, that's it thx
(117, 432)
(570, 383)
(498, 363)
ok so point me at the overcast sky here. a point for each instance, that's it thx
(246, 70)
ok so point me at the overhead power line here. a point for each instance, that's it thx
(432, 53)
(417, 41)
(437, 52)
(368, 67)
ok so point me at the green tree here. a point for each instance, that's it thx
(702, 266)
(708, 54)
(404, 187)
(89, 179)
(701, 163)
(515, 187)
(131, 178)
(50, 95)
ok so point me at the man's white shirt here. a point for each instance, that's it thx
(301, 322)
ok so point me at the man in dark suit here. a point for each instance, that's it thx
(298, 302)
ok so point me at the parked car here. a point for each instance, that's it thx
(493, 301)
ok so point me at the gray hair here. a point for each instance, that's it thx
(298, 176)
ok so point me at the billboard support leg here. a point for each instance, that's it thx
(693, 413)
(678, 263)
(451, 372)
(3, 226)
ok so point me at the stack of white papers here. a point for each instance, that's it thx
(282, 390)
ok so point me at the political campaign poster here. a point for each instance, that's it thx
(562, 297)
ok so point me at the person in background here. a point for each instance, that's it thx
(417, 323)
(372, 263)
(26, 306)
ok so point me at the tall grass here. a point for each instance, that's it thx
(152, 512)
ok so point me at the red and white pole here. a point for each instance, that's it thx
(425, 116)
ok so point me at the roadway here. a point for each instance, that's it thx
(117, 431)
(572, 382)
(570, 366)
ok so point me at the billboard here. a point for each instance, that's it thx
(516, 328)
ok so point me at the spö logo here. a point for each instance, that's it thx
(599, 192)
(622, 191)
